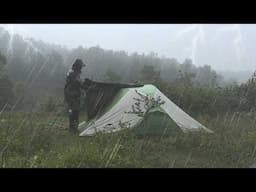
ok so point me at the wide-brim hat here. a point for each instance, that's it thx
(78, 63)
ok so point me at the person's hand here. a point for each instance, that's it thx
(87, 80)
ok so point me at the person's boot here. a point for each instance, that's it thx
(72, 128)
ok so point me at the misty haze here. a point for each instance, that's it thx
(150, 95)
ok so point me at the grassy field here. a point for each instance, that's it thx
(40, 140)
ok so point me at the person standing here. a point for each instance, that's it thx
(72, 93)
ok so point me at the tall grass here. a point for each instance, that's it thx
(42, 140)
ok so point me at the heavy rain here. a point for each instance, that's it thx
(152, 96)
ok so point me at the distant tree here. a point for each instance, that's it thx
(185, 78)
(2, 60)
(6, 86)
(112, 76)
(38, 70)
(187, 66)
(149, 74)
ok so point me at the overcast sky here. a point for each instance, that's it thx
(223, 46)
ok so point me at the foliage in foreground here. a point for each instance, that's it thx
(40, 140)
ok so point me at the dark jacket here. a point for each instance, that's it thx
(72, 90)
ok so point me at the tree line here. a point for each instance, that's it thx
(33, 72)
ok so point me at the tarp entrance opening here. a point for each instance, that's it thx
(100, 96)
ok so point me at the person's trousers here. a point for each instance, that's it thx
(73, 120)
